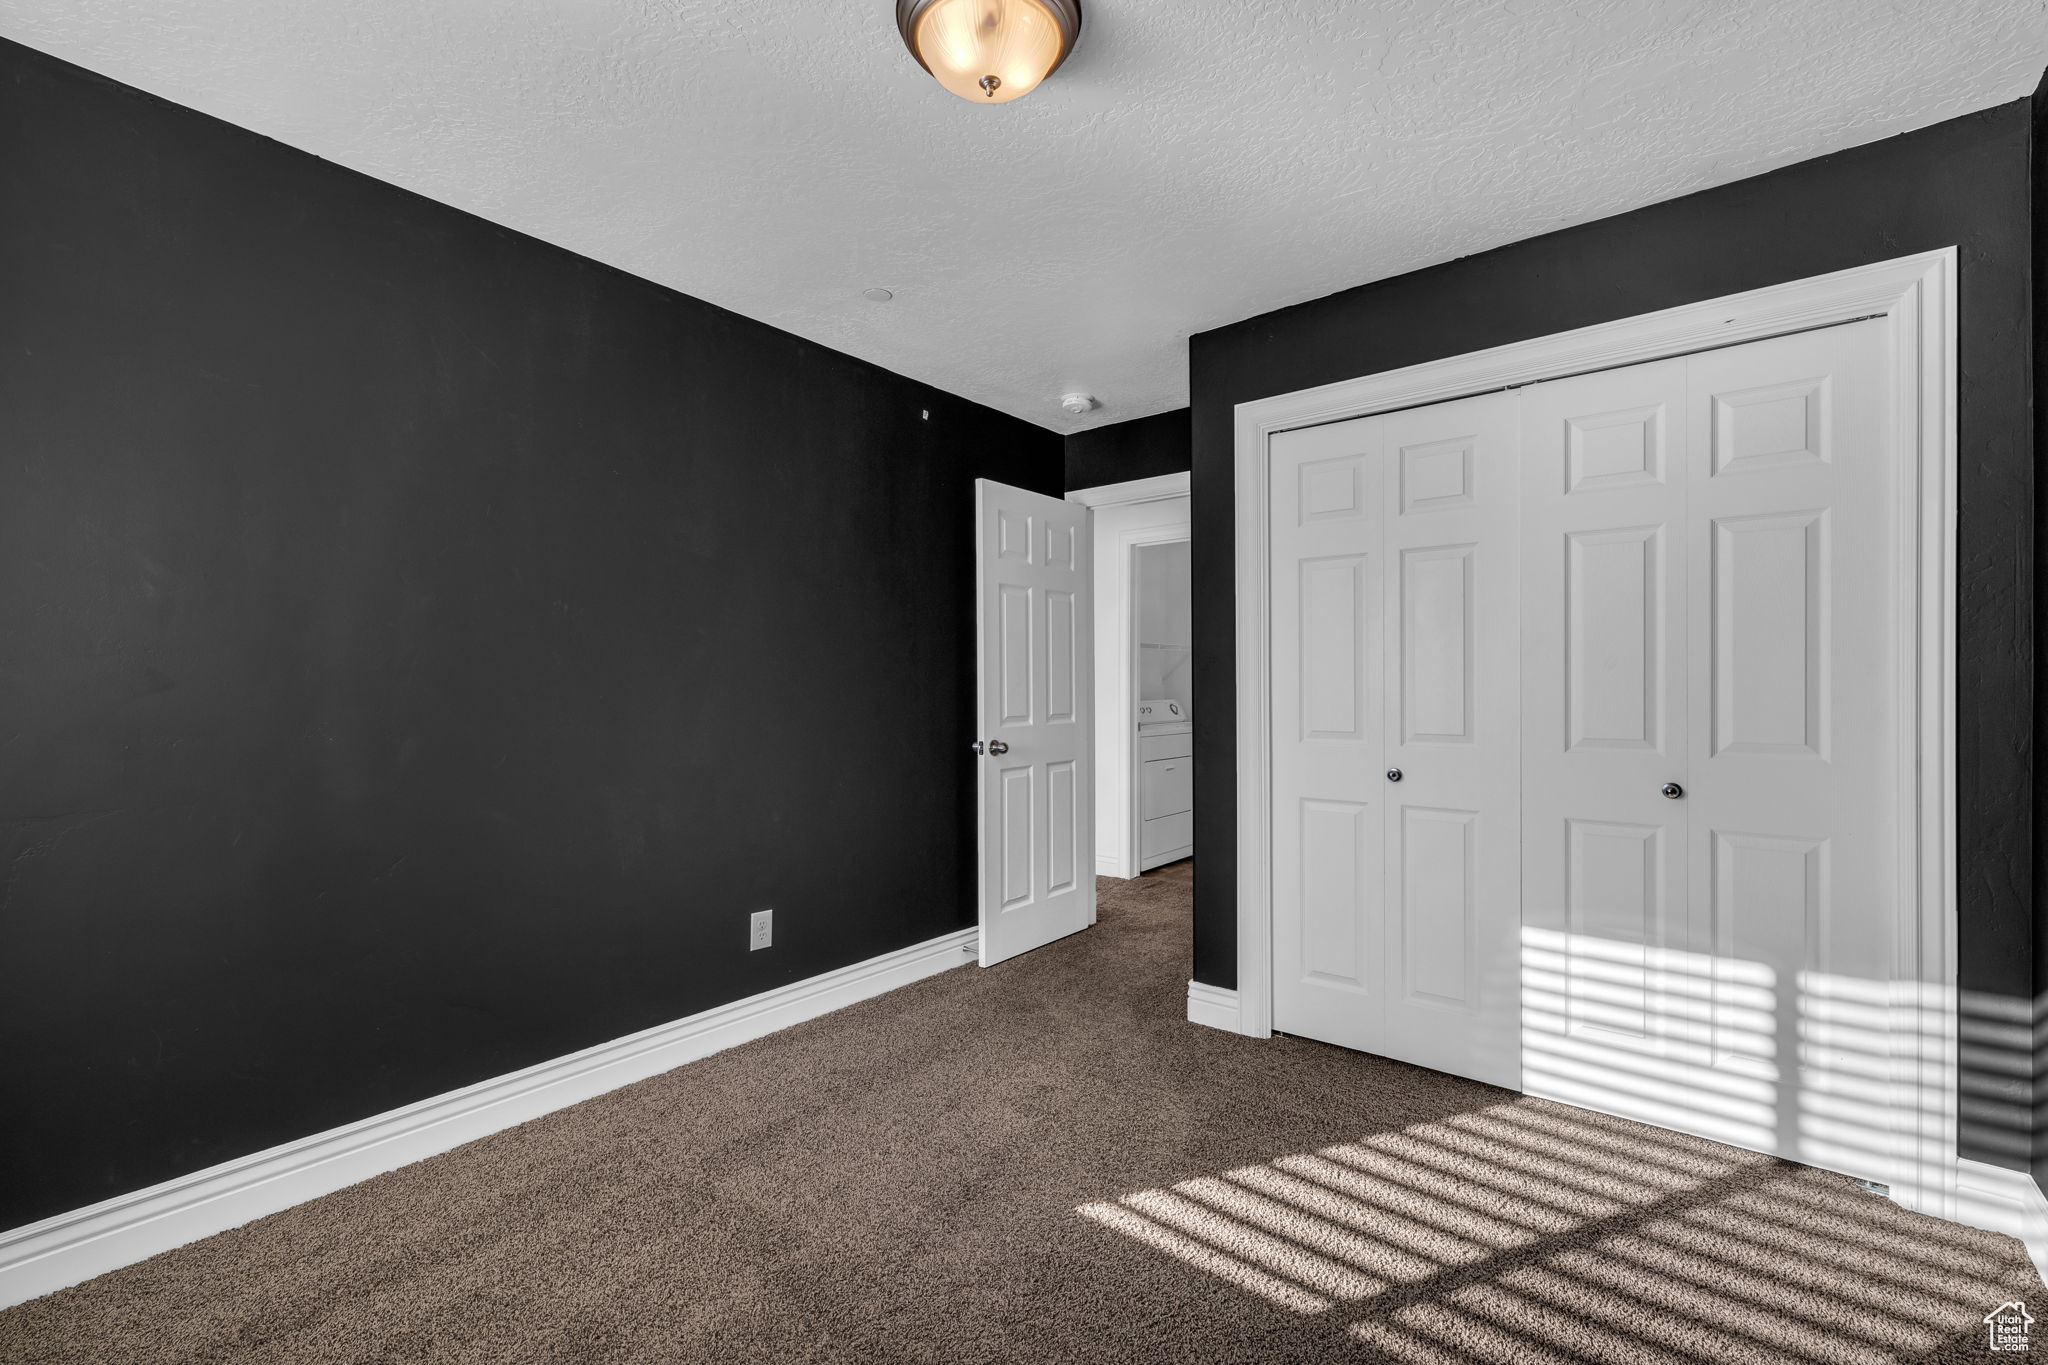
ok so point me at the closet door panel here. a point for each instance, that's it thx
(1793, 784)
(1327, 719)
(1453, 819)
(1604, 726)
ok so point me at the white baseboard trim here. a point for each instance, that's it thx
(1109, 865)
(2004, 1201)
(43, 1257)
(1213, 1006)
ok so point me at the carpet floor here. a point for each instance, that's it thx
(1045, 1162)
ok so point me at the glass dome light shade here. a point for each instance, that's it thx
(989, 51)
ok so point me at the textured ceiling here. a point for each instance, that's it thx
(1195, 162)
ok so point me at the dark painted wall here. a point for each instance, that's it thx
(2038, 1016)
(1142, 448)
(420, 647)
(1963, 183)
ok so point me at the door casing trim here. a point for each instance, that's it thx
(1135, 490)
(1916, 297)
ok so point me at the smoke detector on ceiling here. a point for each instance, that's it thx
(1079, 404)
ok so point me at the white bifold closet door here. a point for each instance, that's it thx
(1710, 789)
(1394, 651)
(1633, 641)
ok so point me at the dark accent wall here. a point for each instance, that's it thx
(421, 647)
(1142, 448)
(2038, 1016)
(1962, 183)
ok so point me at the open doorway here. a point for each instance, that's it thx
(1164, 623)
(1144, 701)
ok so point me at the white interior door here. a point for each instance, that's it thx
(1713, 577)
(1395, 798)
(1034, 703)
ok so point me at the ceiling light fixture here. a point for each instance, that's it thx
(989, 51)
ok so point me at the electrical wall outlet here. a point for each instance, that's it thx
(760, 930)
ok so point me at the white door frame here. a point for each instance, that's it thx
(1915, 295)
(1116, 769)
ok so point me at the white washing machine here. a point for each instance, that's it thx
(1166, 783)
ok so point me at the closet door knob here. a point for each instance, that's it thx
(996, 746)
(1393, 774)
(1672, 790)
